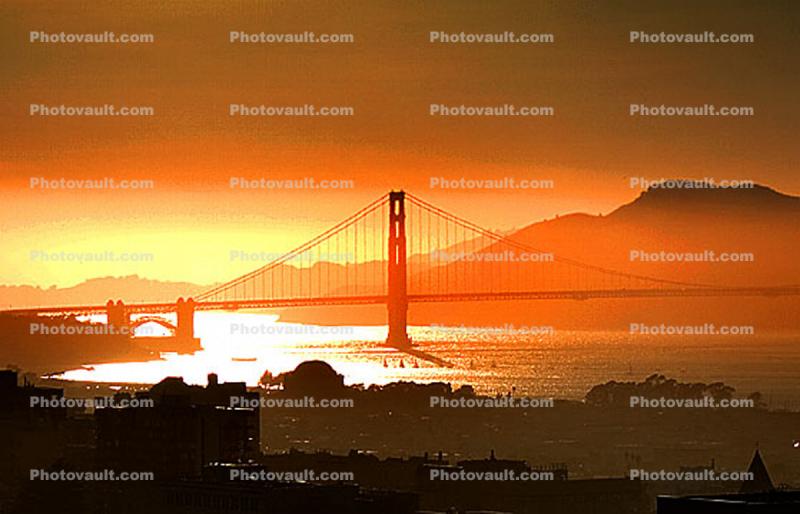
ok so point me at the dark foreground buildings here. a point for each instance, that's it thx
(192, 438)
(185, 429)
(756, 496)
(777, 502)
(279, 498)
(480, 485)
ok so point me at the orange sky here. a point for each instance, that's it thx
(390, 76)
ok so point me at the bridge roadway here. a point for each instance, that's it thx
(588, 294)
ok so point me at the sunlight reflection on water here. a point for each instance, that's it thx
(564, 364)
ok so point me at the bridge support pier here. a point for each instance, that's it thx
(185, 319)
(118, 317)
(397, 298)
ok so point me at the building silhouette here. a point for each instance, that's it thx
(413, 475)
(187, 428)
(756, 496)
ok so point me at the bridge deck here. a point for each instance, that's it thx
(425, 298)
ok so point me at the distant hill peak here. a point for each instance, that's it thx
(695, 195)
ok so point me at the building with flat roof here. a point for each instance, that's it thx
(776, 502)
(756, 496)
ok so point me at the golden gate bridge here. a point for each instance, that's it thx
(398, 250)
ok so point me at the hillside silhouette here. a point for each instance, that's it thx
(97, 291)
(760, 221)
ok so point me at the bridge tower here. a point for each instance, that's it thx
(185, 319)
(118, 317)
(397, 299)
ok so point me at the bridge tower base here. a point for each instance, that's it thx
(184, 310)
